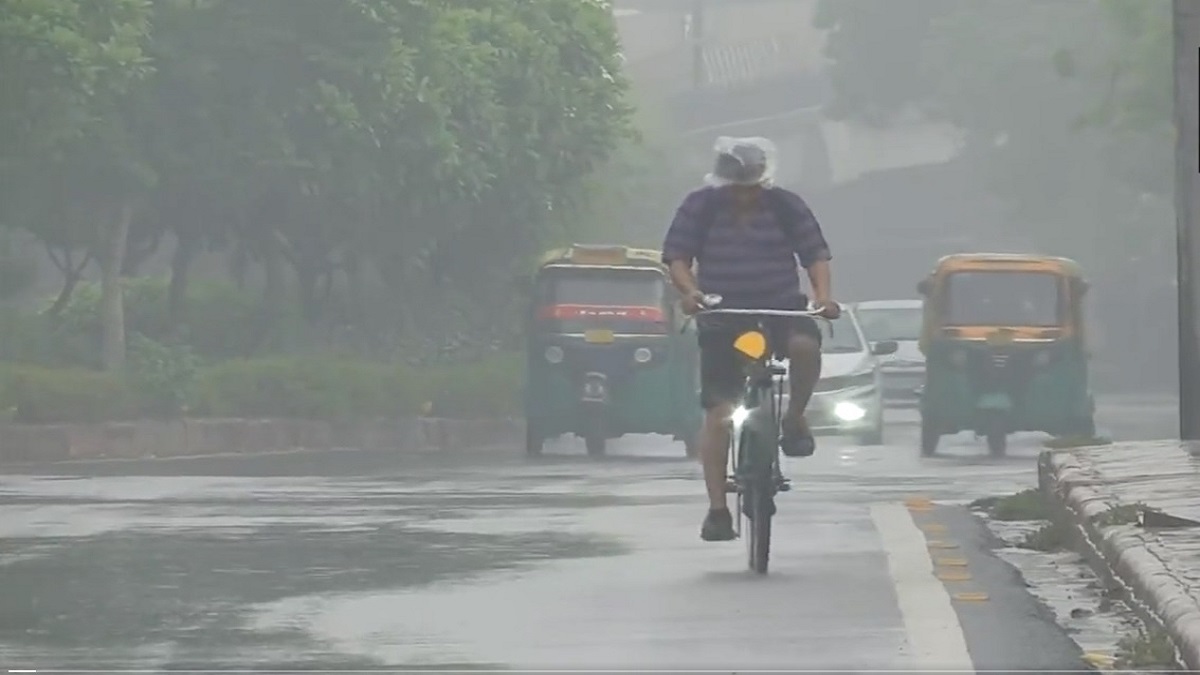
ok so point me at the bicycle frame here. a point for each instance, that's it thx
(755, 432)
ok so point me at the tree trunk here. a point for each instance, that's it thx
(71, 276)
(111, 305)
(181, 262)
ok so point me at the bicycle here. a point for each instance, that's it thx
(756, 429)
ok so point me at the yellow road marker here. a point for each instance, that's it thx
(971, 597)
(933, 527)
(952, 575)
(937, 543)
(918, 504)
(951, 562)
(1099, 660)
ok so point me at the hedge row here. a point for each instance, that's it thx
(311, 388)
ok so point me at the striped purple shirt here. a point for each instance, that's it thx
(752, 263)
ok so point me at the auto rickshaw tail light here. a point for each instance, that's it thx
(751, 343)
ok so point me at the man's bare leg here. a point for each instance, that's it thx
(714, 453)
(804, 369)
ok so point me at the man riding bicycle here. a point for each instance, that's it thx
(745, 236)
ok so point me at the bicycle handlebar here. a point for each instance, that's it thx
(709, 305)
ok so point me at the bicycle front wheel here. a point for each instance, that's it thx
(759, 511)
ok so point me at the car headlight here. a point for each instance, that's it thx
(642, 355)
(554, 354)
(848, 411)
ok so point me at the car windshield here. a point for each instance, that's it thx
(890, 323)
(1002, 299)
(839, 336)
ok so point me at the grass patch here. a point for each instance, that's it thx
(1024, 505)
(1124, 514)
(1049, 537)
(1146, 650)
(1062, 442)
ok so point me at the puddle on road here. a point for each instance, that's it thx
(1065, 583)
(117, 592)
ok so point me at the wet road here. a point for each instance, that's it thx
(365, 560)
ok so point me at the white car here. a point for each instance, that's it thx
(896, 321)
(847, 400)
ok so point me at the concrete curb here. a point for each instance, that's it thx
(36, 444)
(1076, 495)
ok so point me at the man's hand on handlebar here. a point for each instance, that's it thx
(692, 302)
(827, 309)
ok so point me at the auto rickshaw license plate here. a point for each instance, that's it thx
(600, 337)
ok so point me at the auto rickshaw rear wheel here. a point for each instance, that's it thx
(929, 438)
(595, 444)
(997, 443)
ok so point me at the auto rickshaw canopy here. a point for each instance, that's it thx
(931, 288)
(594, 255)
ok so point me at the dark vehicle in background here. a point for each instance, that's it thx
(896, 321)
(606, 356)
(1004, 349)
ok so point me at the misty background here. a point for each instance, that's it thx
(242, 172)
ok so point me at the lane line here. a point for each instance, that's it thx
(935, 636)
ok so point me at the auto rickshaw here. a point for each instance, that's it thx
(1003, 338)
(606, 355)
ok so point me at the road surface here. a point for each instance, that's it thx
(366, 560)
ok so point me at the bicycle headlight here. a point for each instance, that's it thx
(739, 416)
(554, 354)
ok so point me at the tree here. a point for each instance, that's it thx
(68, 69)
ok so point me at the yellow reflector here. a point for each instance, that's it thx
(752, 344)
(952, 575)
(598, 336)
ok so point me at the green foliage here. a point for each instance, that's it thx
(341, 389)
(44, 395)
(162, 380)
(425, 147)
(163, 375)
(222, 321)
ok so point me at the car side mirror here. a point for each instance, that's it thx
(884, 347)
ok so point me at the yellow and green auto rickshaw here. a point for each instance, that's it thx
(1003, 338)
(606, 355)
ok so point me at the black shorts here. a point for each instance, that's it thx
(722, 371)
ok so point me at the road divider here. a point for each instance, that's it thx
(32, 443)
